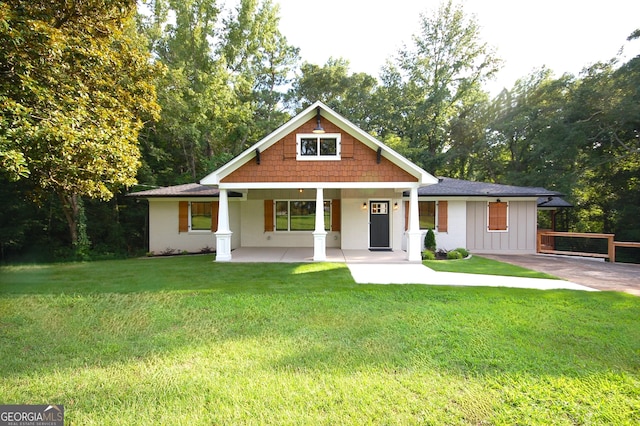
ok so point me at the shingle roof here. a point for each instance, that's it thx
(463, 188)
(187, 190)
(553, 202)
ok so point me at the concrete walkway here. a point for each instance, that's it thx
(368, 267)
(413, 273)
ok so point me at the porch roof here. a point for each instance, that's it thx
(191, 190)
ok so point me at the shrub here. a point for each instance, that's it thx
(430, 240)
(454, 254)
(428, 255)
(463, 251)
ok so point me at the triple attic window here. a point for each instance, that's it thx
(318, 147)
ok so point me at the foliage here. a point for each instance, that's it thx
(463, 251)
(351, 95)
(76, 86)
(434, 81)
(170, 338)
(430, 240)
(454, 254)
(428, 255)
(224, 86)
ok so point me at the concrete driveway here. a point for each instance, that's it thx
(592, 273)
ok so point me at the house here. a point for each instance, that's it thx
(319, 181)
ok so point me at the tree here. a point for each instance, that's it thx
(223, 87)
(433, 81)
(260, 62)
(76, 85)
(349, 94)
(527, 137)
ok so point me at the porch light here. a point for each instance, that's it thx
(364, 205)
(318, 129)
(395, 205)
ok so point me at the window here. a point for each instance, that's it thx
(427, 214)
(498, 216)
(200, 216)
(300, 215)
(318, 147)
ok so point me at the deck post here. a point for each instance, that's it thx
(611, 248)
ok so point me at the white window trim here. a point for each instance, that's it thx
(488, 218)
(198, 231)
(319, 157)
(288, 201)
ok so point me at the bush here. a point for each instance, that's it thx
(463, 251)
(430, 240)
(428, 255)
(454, 254)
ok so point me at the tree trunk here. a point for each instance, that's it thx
(71, 210)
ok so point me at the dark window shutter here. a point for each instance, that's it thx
(268, 215)
(443, 216)
(335, 215)
(183, 216)
(215, 205)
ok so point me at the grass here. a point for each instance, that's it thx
(186, 341)
(482, 265)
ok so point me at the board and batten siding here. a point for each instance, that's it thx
(519, 239)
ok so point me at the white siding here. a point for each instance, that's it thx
(456, 235)
(163, 229)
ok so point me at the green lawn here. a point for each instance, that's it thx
(185, 341)
(482, 265)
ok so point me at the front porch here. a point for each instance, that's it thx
(305, 254)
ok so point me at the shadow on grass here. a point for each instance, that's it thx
(302, 317)
(173, 274)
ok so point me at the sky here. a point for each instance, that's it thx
(563, 35)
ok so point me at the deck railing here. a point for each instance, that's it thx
(546, 243)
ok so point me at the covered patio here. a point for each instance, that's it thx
(305, 254)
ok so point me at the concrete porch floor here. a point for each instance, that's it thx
(392, 267)
(305, 254)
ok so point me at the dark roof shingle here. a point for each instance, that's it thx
(186, 190)
(464, 188)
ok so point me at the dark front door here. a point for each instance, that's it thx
(379, 224)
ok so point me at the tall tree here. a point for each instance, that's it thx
(224, 84)
(350, 94)
(434, 79)
(76, 85)
(527, 137)
(261, 63)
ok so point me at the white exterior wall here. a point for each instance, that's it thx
(355, 219)
(355, 224)
(163, 228)
(253, 234)
(456, 235)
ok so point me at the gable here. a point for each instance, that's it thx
(357, 163)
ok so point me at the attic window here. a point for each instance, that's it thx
(318, 147)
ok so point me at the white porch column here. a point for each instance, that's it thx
(414, 244)
(223, 234)
(319, 234)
